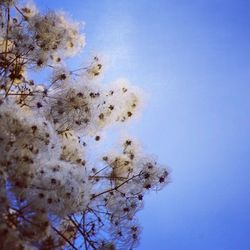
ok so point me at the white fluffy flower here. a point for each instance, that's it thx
(53, 35)
(121, 103)
(72, 107)
(72, 149)
(24, 141)
(59, 187)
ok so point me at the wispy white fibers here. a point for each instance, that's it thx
(54, 190)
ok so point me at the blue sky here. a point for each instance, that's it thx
(192, 58)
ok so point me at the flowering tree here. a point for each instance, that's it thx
(55, 191)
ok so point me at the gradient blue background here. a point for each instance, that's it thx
(192, 57)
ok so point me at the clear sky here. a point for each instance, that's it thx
(192, 58)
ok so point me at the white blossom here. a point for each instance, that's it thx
(53, 34)
(59, 187)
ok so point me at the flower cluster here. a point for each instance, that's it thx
(55, 190)
(54, 36)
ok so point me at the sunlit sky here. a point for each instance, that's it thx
(192, 59)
